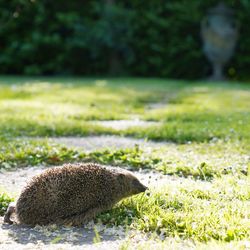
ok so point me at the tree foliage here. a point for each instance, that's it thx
(146, 38)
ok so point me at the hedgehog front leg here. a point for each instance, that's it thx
(11, 209)
(80, 219)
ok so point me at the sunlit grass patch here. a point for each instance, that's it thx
(180, 244)
(214, 212)
(5, 199)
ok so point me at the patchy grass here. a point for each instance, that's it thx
(41, 107)
(21, 153)
(189, 111)
(189, 160)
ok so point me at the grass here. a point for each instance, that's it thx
(206, 125)
(189, 111)
(197, 160)
(211, 211)
(177, 244)
(5, 199)
(19, 153)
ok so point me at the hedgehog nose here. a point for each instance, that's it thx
(143, 188)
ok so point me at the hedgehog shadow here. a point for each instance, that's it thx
(53, 234)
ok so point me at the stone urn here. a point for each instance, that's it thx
(219, 32)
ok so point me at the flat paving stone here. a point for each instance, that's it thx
(91, 143)
(124, 124)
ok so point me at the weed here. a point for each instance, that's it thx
(4, 202)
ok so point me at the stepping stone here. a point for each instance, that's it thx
(125, 124)
(91, 143)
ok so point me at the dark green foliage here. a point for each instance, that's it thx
(100, 37)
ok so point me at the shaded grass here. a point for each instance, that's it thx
(30, 127)
(84, 100)
(198, 127)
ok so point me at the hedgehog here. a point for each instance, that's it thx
(72, 194)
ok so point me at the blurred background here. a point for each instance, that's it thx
(114, 38)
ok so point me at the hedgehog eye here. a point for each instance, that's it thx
(135, 182)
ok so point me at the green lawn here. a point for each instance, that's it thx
(206, 125)
(189, 111)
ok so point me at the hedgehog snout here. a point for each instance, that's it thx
(143, 188)
(139, 187)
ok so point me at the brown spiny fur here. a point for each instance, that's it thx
(73, 194)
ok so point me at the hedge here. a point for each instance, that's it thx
(134, 37)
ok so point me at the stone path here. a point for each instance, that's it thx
(53, 237)
(90, 143)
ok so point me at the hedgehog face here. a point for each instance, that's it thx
(138, 187)
(131, 184)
